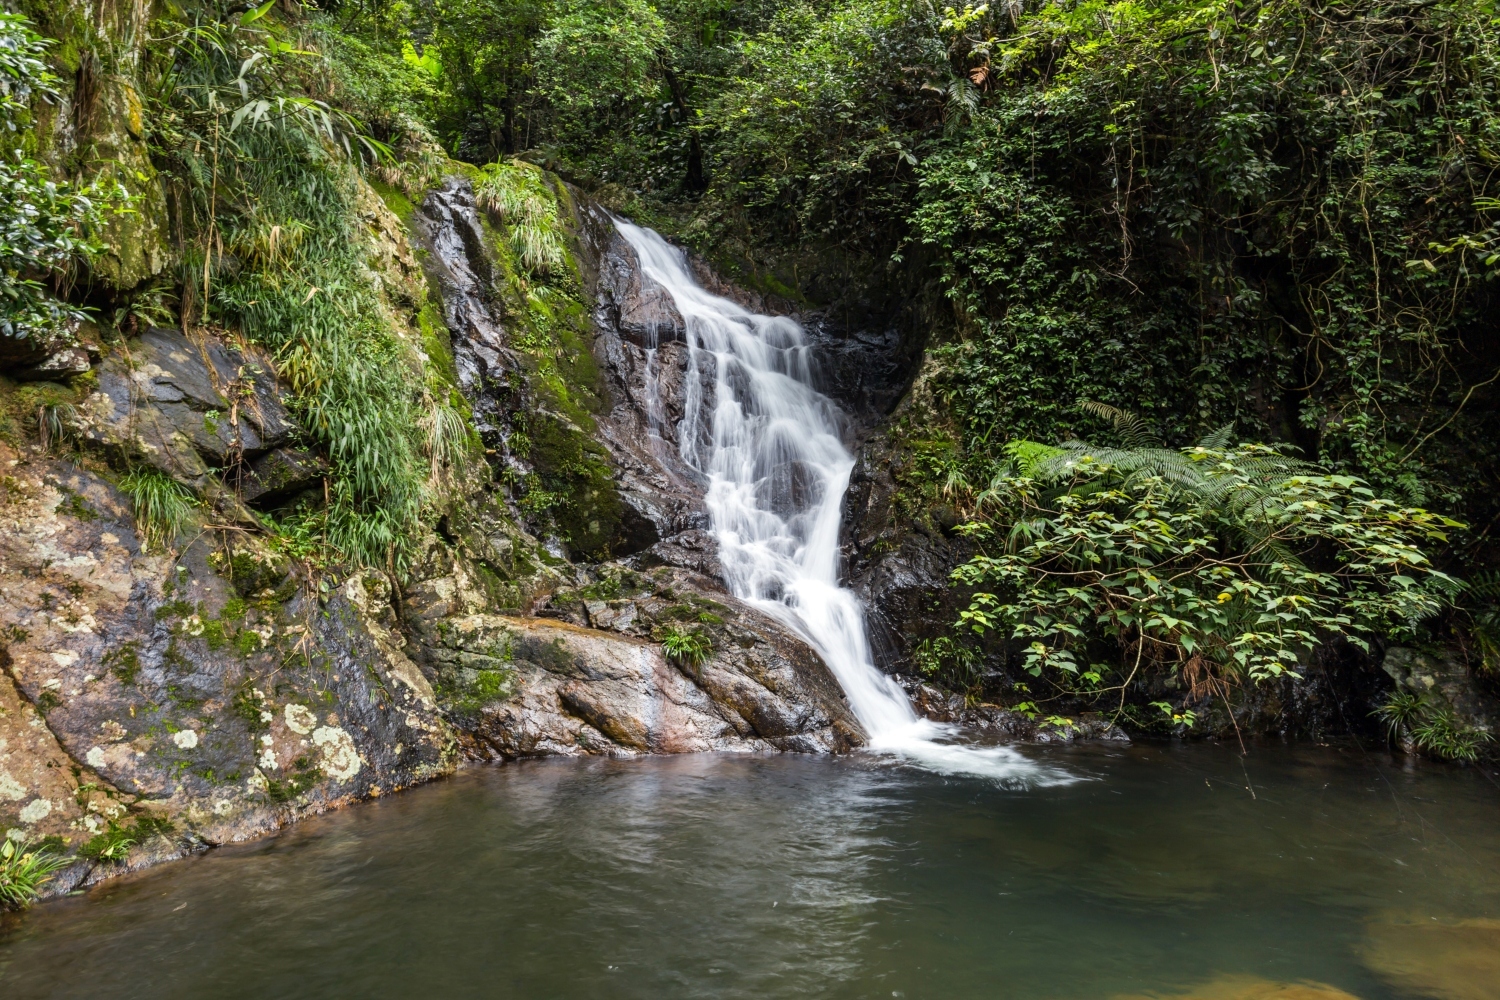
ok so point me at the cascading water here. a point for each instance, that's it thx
(771, 450)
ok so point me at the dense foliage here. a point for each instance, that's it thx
(47, 224)
(1278, 215)
(1275, 213)
(1217, 562)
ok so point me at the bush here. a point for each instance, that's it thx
(1214, 562)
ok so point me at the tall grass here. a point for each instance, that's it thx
(275, 247)
(162, 505)
(516, 192)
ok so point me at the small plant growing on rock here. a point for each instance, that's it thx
(1430, 728)
(113, 843)
(24, 869)
(688, 648)
(162, 505)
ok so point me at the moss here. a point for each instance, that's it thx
(574, 468)
(174, 609)
(395, 200)
(466, 690)
(303, 776)
(247, 642)
(75, 506)
(437, 342)
(21, 402)
(124, 662)
(249, 705)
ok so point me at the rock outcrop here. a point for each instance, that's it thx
(210, 691)
(193, 407)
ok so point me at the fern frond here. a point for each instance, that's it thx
(1219, 439)
(1134, 431)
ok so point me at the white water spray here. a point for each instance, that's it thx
(771, 449)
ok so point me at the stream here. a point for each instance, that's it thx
(1163, 870)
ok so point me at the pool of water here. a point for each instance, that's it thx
(1296, 873)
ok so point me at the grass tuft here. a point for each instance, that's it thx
(687, 648)
(516, 193)
(162, 505)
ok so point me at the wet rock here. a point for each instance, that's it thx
(899, 561)
(944, 706)
(459, 263)
(639, 310)
(280, 474)
(1445, 682)
(591, 678)
(184, 407)
(1242, 987)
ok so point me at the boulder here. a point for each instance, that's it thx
(135, 685)
(186, 407)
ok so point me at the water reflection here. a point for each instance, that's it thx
(725, 876)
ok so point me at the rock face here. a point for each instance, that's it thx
(561, 688)
(640, 346)
(214, 691)
(1445, 682)
(189, 407)
(576, 664)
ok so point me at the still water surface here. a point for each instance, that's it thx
(1346, 873)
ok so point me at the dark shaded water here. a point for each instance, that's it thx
(790, 876)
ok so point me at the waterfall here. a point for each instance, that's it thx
(770, 448)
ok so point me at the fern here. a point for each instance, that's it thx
(688, 648)
(1134, 431)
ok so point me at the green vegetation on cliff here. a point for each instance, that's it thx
(1277, 217)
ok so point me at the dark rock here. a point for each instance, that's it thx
(33, 356)
(60, 364)
(185, 407)
(459, 263)
(993, 720)
(280, 474)
(898, 564)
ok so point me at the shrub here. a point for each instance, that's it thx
(1216, 562)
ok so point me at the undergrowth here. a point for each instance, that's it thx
(1431, 728)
